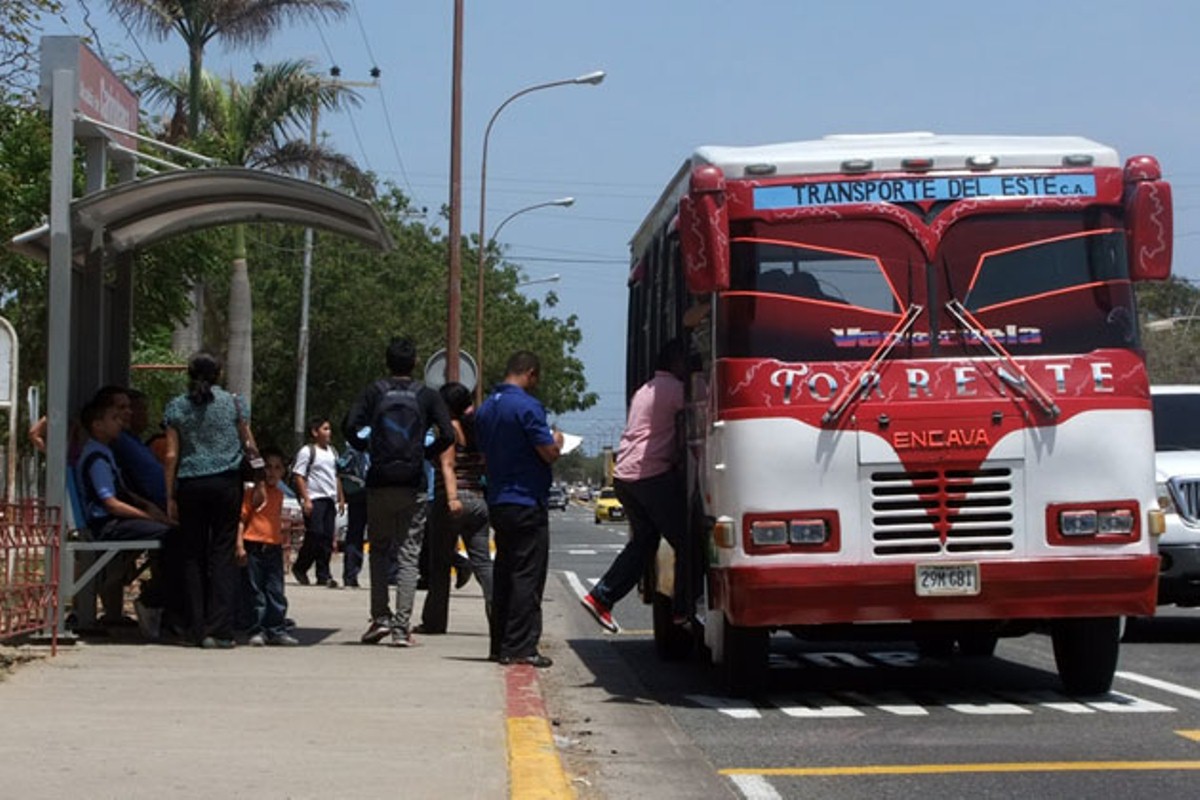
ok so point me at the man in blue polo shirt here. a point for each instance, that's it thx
(519, 447)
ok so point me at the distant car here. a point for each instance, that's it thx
(558, 499)
(583, 493)
(608, 507)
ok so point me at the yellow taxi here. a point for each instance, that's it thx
(608, 507)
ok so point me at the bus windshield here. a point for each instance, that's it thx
(1043, 284)
(807, 291)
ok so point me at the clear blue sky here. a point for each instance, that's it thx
(682, 73)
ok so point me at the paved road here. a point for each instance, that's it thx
(872, 719)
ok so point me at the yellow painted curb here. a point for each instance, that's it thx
(534, 769)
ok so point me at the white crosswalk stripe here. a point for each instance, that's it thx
(848, 705)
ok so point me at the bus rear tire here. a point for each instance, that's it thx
(1085, 651)
(672, 642)
(744, 662)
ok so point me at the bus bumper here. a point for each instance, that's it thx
(782, 595)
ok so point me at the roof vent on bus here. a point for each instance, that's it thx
(760, 169)
(1078, 160)
(857, 165)
(982, 162)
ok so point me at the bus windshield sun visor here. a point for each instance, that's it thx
(867, 376)
(1017, 379)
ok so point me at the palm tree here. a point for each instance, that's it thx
(261, 126)
(237, 23)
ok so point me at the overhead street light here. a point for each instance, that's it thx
(562, 202)
(588, 79)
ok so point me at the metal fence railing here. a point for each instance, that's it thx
(29, 542)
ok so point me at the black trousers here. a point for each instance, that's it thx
(519, 578)
(209, 508)
(318, 539)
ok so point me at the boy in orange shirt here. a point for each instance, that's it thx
(260, 544)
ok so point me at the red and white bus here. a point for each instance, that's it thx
(917, 393)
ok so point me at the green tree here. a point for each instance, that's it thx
(19, 25)
(259, 126)
(1170, 316)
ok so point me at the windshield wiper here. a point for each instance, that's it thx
(866, 377)
(1017, 379)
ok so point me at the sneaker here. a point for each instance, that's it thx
(283, 640)
(330, 583)
(380, 627)
(351, 583)
(600, 612)
(462, 571)
(257, 640)
(301, 578)
(402, 638)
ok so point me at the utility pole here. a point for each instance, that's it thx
(454, 272)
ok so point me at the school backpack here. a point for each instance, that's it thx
(290, 477)
(397, 446)
(352, 467)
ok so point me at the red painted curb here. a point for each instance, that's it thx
(523, 696)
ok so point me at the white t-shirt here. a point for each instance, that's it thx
(322, 478)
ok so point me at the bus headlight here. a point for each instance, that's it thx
(767, 532)
(1078, 523)
(1118, 521)
(808, 531)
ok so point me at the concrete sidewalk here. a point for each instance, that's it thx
(330, 719)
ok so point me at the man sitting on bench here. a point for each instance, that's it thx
(114, 513)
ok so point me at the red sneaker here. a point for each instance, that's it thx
(602, 614)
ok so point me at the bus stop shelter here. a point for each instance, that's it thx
(89, 318)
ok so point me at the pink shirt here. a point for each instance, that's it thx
(647, 446)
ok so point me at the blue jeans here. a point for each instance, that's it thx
(655, 508)
(264, 604)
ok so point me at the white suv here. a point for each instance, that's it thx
(1177, 464)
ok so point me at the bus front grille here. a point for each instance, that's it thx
(942, 511)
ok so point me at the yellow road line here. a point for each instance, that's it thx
(534, 768)
(1193, 735)
(947, 769)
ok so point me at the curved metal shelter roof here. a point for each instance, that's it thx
(139, 213)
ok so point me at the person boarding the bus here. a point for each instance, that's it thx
(648, 481)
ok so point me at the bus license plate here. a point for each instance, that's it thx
(934, 580)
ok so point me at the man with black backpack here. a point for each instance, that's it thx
(398, 411)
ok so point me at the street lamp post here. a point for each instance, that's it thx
(563, 202)
(590, 79)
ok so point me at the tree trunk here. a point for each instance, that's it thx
(188, 336)
(239, 369)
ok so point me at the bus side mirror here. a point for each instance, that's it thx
(704, 232)
(1150, 217)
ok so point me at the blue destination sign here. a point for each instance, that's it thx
(915, 190)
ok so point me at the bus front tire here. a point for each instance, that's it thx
(744, 662)
(1085, 651)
